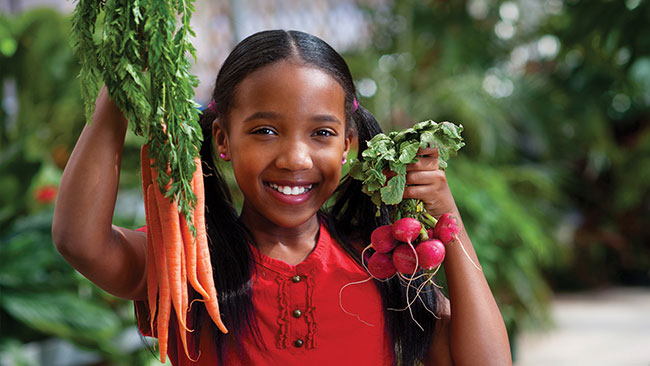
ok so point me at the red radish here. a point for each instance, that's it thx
(430, 253)
(382, 239)
(430, 233)
(446, 229)
(404, 259)
(381, 266)
(406, 229)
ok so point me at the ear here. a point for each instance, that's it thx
(221, 140)
(349, 136)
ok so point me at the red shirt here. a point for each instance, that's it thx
(299, 315)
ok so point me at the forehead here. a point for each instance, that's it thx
(290, 85)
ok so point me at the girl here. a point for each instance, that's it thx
(284, 113)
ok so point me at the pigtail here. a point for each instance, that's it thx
(230, 253)
(351, 220)
(353, 215)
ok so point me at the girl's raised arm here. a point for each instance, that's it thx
(476, 333)
(471, 331)
(112, 257)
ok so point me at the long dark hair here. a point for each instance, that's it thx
(350, 219)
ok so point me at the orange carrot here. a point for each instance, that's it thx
(204, 265)
(190, 246)
(176, 257)
(164, 300)
(168, 213)
(152, 278)
(152, 275)
(145, 170)
(183, 332)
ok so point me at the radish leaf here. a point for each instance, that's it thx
(398, 149)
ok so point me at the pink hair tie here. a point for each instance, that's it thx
(213, 106)
(355, 103)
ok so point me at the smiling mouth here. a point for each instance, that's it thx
(291, 190)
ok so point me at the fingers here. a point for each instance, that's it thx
(427, 160)
(426, 182)
(423, 177)
(432, 151)
(432, 189)
(429, 194)
(425, 185)
(420, 192)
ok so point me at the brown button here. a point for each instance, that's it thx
(296, 279)
(298, 343)
(297, 313)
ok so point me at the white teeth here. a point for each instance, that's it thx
(290, 191)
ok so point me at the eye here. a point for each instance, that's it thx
(324, 133)
(263, 131)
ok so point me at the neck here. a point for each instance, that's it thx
(289, 244)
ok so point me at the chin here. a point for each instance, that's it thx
(291, 220)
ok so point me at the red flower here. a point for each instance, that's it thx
(45, 194)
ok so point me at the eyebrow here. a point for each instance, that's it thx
(262, 115)
(325, 118)
(274, 115)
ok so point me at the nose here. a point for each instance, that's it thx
(294, 155)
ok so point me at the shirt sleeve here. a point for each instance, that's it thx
(141, 308)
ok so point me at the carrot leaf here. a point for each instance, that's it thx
(143, 59)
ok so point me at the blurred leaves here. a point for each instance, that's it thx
(553, 182)
(40, 117)
(42, 71)
(42, 296)
(63, 315)
(510, 232)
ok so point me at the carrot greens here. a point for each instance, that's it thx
(141, 53)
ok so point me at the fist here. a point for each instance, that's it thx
(426, 182)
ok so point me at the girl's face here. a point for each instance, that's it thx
(286, 138)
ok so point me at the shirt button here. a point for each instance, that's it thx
(296, 279)
(298, 343)
(297, 313)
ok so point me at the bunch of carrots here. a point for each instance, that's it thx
(138, 50)
(175, 257)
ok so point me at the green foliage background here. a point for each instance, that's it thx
(46, 308)
(552, 184)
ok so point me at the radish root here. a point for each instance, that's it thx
(341, 300)
(408, 286)
(457, 239)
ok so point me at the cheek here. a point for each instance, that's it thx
(246, 172)
(331, 164)
(334, 156)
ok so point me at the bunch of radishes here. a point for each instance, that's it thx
(406, 246)
(415, 242)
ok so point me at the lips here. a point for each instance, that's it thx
(290, 192)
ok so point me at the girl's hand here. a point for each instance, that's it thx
(426, 182)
